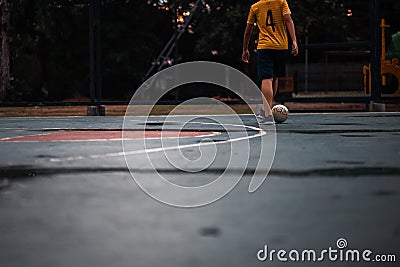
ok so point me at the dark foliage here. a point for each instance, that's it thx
(50, 42)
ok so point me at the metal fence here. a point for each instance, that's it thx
(322, 72)
(339, 72)
(334, 69)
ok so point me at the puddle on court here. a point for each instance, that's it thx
(338, 172)
(375, 116)
(27, 172)
(340, 124)
(357, 135)
(345, 162)
(384, 193)
(158, 123)
(210, 231)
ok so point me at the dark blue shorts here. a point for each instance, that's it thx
(271, 63)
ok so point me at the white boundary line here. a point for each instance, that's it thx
(5, 140)
(21, 136)
(260, 133)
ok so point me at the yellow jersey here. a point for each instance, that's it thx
(268, 15)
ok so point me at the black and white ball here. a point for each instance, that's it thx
(280, 113)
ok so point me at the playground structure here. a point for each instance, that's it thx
(389, 67)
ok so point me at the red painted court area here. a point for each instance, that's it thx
(101, 135)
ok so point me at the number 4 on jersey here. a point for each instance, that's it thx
(270, 20)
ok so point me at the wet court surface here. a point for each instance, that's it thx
(71, 201)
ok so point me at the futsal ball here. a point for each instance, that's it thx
(280, 113)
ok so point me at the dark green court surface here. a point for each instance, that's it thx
(74, 203)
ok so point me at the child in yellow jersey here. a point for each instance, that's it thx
(273, 18)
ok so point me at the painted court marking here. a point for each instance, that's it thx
(259, 133)
(105, 135)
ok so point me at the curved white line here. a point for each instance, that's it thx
(260, 133)
(6, 139)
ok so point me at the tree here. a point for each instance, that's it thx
(133, 33)
(50, 39)
(215, 33)
(51, 49)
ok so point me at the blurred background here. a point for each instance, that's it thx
(48, 45)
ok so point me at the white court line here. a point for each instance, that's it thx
(260, 133)
(5, 140)
(21, 136)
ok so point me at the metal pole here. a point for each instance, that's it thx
(169, 47)
(91, 52)
(95, 50)
(376, 78)
(306, 64)
(176, 54)
(98, 50)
